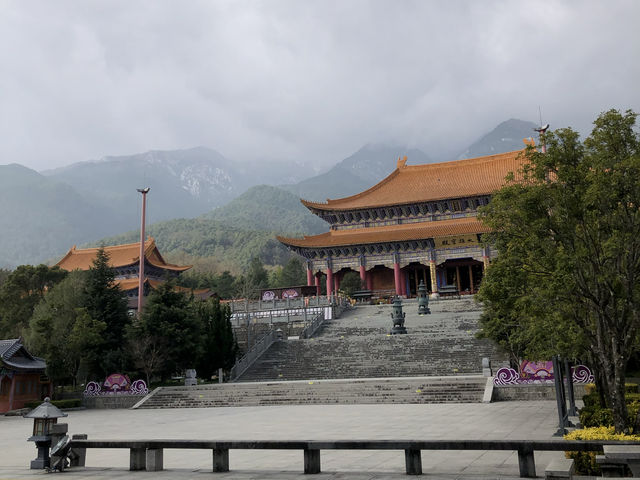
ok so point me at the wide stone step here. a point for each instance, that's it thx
(416, 390)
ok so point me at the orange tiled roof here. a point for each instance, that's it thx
(119, 256)
(432, 181)
(127, 284)
(391, 233)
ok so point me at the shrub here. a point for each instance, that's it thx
(585, 462)
(591, 399)
(631, 388)
(596, 416)
(631, 397)
(589, 388)
(68, 403)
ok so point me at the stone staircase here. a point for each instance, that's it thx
(459, 389)
(358, 346)
(353, 359)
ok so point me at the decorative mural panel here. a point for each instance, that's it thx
(116, 384)
(541, 375)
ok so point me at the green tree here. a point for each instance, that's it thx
(105, 303)
(224, 285)
(219, 345)
(4, 274)
(20, 292)
(292, 274)
(62, 331)
(171, 329)
(351, 282)
(571, 225)
(257, 275)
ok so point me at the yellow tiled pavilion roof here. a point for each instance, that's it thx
(433, 181)
(390, 233)
(119, 256)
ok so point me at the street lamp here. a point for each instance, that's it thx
(144, 192)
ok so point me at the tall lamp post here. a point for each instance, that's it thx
(144, 192)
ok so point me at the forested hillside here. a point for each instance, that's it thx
(210, 244)
(269, 208)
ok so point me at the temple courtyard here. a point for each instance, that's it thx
(500, 420)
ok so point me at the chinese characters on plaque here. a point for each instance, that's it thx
(456, 241)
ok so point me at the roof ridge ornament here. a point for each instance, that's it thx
(401, 162)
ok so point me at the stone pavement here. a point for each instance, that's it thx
(503, 420)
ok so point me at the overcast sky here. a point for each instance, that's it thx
(302, 80)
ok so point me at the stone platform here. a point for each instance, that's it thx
(505, 420)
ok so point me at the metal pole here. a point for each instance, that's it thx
(573, 411)
(144, 192)
(560, 401)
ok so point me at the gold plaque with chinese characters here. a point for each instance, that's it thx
(456, 241)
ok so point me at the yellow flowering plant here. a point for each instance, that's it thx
(585, 462)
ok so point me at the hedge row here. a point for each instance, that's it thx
(68, 403)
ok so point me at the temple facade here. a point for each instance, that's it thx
(22, 376)
(125, 261)
(418, 224)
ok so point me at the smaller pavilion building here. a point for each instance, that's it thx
(125, 261)
(22, 376)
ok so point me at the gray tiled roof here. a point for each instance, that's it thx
(8, 347)
(25, 361)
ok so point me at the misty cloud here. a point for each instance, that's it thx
(310, 81)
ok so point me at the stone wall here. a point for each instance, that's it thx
(531, 392)
(111, 401)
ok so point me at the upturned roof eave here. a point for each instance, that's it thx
(338, 204)
(376, 235)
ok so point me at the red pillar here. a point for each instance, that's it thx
(403, 282)
(397, 278)
(329, 282)
(12, 390)
(369, 282)
(318, 285)
(363, 275)
(309, 277)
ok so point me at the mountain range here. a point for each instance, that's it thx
(218, 202)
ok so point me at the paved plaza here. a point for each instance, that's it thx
(502, 420)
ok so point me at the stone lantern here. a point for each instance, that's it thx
(44, 417)
(423, 299)
(398, 318)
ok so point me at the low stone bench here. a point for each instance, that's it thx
(148, 454)
(560, 468)
(615, 457)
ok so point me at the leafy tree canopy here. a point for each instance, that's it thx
(20, 292)
(62, 331)
(567, 230)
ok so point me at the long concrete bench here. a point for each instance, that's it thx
(148, 454)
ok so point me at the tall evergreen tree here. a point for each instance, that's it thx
(219, 345)
(171, 329)
(106, 303)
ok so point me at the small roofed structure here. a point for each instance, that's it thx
(125, 260)
(22, 376)
(419, 224)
